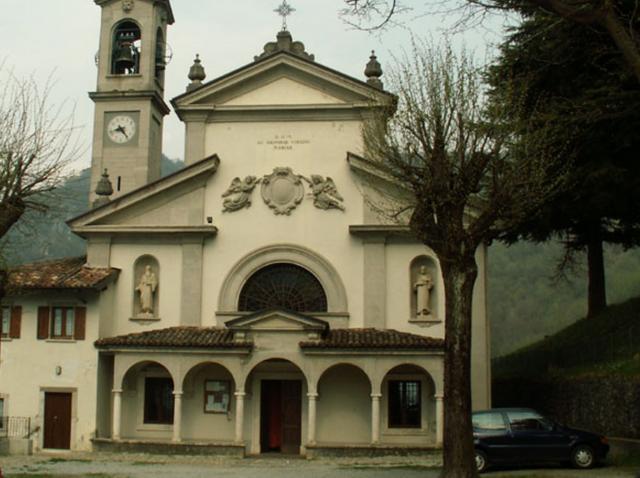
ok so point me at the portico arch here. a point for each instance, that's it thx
(344, 403)
(283, 253)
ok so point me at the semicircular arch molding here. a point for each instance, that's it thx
(347, 364)
(283, 253)
(436, 380)
(257, 361)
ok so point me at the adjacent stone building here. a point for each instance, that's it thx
(251, 302)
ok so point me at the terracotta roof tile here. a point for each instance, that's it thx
(177, 337)
(68, 273)
(373, 339)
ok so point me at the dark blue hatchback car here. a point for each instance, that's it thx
(521, 435)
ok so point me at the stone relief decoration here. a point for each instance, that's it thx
(238, 196)
(146, 282)
(424, 300)
(324, 192)
(127, 5)
(283, 191)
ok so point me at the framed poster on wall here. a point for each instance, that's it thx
(217, 396)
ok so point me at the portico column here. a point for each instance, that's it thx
(375, 418)
(439, 418)
(311, 427)
(239, 415)
(177, 416)
(117, 414)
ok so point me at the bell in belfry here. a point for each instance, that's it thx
(125, 59)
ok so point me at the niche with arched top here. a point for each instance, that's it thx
(126, 48)
(146, 288)
(423, 281)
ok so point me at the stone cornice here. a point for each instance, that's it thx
(116, 95)
(147, 231)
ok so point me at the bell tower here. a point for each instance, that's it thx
(129, 98)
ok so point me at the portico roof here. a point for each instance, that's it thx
(223, 338)
(349, 339)
(177, 337)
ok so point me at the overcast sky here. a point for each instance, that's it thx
(42, 37)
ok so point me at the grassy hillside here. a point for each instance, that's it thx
(525, 304)
(605, 344)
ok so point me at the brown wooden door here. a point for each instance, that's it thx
(281, 416)
(57, 420)
(291, 416)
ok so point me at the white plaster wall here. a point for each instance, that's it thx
(324, 232)
(169, 256)
(28, 369)
(344, 407)
(197, 425)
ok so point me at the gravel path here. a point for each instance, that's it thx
(106, 465)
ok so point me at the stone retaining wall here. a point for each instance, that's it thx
(607, 405)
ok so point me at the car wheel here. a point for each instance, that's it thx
(582, 456)
(481, 461)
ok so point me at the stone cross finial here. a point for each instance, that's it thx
(284, 10)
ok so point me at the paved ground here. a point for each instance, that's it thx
(104, 465)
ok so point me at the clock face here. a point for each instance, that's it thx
(121, 129)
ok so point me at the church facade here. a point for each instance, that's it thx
(253, 301)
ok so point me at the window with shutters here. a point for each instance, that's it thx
(61, 323)
(5, 325)
(10, 320)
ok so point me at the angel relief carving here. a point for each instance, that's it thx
(324, 192)
(282, 191)
(238, 196)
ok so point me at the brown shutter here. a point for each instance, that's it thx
(43, 323)
(80, 324)
(16, 319)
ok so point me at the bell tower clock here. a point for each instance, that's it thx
(129, 99)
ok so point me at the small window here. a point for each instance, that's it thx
(526, 420)
(217, 396)
(404, 404)
(488, 421)
(5, 324)
(158, 400)
(63, 322)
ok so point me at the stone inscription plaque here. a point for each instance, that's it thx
(283, 142)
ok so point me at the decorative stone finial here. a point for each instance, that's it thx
(373, 71)
(104, 190)
(285, 43)
(196, 74)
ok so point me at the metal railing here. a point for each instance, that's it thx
(15, 427)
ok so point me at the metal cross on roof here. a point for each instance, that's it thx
(284, 11)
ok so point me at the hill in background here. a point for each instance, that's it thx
(524, 304)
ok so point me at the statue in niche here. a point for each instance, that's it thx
(325, 194)
(422, 287)
(147, 288)
(239, 194)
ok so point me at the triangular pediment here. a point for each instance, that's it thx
(277, 320)
(283, 80)
(172, 204)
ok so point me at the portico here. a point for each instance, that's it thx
(338, 387)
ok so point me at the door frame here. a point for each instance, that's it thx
(74, 413)
(256, 399)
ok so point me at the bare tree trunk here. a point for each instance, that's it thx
(597, 293)
(623, 39)
(459, 279)
(10, 212)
